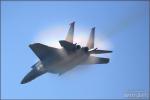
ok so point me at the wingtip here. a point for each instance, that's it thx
(110, 51)
(22, 82)
(30, 45)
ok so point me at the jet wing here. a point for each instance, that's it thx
(96, 60)
(43, 51)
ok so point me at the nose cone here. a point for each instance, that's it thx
(27, 78)
(24, 81)
(34, 73)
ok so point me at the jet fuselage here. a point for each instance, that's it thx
(58, 61)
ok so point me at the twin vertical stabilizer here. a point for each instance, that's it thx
(69, 37)
(70, 34)
(90, 43)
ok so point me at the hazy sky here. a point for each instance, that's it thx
(122, 27)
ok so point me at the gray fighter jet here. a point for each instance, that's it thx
(58, 61)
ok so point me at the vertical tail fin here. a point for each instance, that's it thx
(90, 43)
(70, 34)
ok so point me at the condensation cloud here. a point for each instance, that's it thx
(51, 35)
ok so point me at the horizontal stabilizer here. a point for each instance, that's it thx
(96, 60)
(99, 51)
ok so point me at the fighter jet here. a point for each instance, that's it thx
(61, 60)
